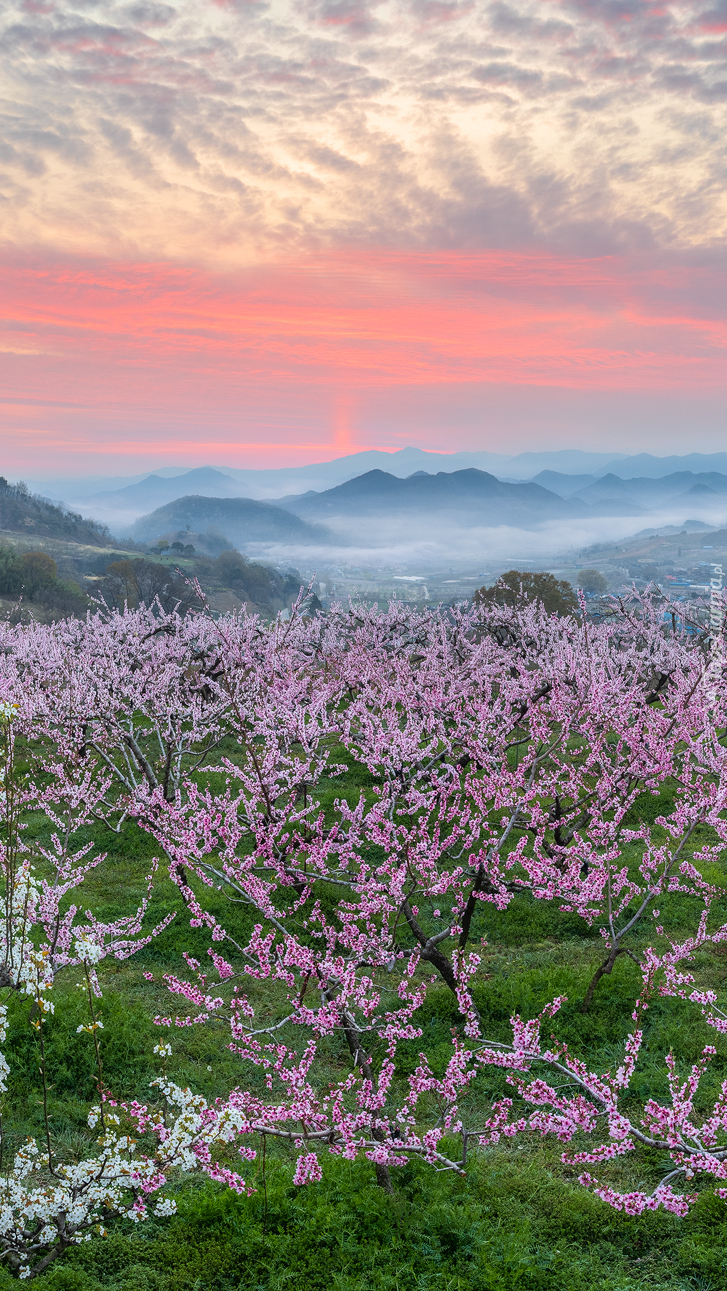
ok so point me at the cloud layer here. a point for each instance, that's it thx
(287, 223)
(221, 131)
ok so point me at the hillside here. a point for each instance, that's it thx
(47, 578)
(240, 520)
(228, 582)
(25, 513)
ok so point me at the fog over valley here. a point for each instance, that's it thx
(421, 525)
(460, 514)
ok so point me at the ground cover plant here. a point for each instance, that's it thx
(316, 930)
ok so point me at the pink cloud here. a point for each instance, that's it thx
(102, 357)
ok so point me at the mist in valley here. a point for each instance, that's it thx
(432, 534)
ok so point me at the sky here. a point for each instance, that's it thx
(262, 234)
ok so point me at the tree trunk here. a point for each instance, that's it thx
(605, 968)
(362, 1060)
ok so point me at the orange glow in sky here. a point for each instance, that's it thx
(287, 359)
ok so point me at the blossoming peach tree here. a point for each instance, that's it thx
(46, 1203)
(505, 755)
(499, 752)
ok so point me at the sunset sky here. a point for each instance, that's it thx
(259, 234)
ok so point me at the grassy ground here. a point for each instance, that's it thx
(519, 1219)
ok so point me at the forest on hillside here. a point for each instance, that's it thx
(378, 949)
(55, 563)
(27, 513)
(35, 585)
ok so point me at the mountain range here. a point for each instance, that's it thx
(156, 490)
(118, 502)
(685, 487)
(98, 492)
(378, 508)
(469, 499)
(475, 499)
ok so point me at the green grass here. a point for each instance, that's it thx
(518, 1221)
(511, 1224)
